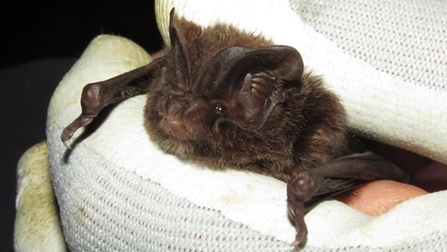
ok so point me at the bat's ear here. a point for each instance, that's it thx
(252, 80)
(180, 58)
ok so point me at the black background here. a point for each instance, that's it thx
(39, 43)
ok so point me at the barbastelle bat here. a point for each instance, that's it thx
(230, 99)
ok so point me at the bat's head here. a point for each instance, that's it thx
(234, 90)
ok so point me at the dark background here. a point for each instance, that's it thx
(39, 43)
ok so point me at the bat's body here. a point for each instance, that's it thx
(229, 99)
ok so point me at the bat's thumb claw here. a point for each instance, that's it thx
(65, 137)
(296, 246)
(66, 144)
(295, 243)
(301, 236)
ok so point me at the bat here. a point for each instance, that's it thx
(231, 99)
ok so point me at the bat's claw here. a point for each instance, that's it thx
(299, 190)
(296, 213)
(66, 144)
(68, 131)
(296, 246)
(300, 238)
(66, 135)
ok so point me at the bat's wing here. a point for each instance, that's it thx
(96, 96)
(341, 174)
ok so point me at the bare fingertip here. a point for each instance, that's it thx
(375, 198)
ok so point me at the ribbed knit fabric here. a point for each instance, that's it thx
(118, 192)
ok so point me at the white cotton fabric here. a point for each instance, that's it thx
(118, 192)
(37, 226)
(386, 60)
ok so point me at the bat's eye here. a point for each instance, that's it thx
(220, 109)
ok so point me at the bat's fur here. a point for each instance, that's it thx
(229, 99)
(307, 130)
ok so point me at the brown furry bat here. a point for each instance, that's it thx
(228, 99)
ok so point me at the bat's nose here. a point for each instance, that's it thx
(174, 106)
(177, 103)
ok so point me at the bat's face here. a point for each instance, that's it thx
(234, 89)
(184, 114)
